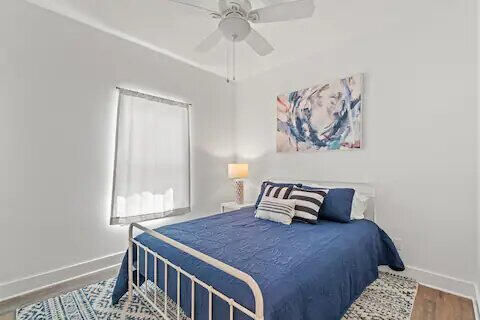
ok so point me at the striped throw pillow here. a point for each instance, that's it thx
(267, 184)
(278, 210)
(281, 192)
(307, 203)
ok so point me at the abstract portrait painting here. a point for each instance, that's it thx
(323, 117)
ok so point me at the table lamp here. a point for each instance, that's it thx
(237, 172)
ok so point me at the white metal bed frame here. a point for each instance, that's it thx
(258, 314)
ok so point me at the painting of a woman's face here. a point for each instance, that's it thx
(321, 117)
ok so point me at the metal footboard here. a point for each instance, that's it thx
(257, 315)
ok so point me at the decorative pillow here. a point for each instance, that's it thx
(308, 203)
(337, 205)
(359, 206)
(277, 210)
(276, 190)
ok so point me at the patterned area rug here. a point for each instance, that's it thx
(390, 297)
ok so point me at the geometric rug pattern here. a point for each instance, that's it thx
(390, 297)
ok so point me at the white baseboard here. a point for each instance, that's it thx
(26, 285)
(442, 282)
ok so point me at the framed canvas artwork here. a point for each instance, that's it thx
(322, 117)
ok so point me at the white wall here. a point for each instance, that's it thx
(420, 129)
(57, 103)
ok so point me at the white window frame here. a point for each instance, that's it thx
(114, 220)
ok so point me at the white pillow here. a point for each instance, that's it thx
(277, 210)
(359, 206)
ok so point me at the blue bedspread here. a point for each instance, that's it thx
(304, 271)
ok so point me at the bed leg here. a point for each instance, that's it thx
(130, 262)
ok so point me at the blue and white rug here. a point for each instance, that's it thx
(389, 297)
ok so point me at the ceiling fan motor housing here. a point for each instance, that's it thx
(243, 6)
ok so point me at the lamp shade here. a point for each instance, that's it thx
(237, 170)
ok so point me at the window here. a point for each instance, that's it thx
(152, 158)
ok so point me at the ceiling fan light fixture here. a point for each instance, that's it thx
(234, 27)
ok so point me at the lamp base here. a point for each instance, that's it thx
(238, 187)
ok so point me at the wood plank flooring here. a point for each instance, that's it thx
(430, 304)
(10, 316)
(8, 307)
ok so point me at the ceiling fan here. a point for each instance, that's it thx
(236, 17)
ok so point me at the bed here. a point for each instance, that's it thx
(300, 271)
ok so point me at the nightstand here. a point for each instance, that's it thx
(232, 206)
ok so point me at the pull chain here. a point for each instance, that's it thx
(227, 69)
(233, 55)
(226, 63)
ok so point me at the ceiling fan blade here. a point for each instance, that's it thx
(209, 42)
(283, 11)
(198, 4)
(258, 43)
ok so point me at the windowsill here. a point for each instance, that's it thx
(149, 216)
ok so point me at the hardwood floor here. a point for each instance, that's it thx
(8, 307)
(9, 316)
(430, 304)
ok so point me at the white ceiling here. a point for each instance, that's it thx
(176, 29)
